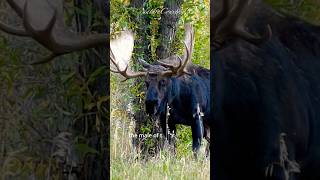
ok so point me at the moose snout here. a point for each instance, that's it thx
(152, 106)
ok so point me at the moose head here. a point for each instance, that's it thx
(158, 76)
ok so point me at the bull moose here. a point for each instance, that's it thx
(265, 93)
(173, 82)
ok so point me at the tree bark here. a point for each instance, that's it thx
(142, 50)
(167, 31)
(168, 27)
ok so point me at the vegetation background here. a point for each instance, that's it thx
(53, 116)
(128, 160)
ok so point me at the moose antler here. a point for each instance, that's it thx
(120, 55)
(125, 73)
(176, 70)
(186, 58)
(121, 50)
(43, 21)
(229, 22)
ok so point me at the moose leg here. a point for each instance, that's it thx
(171, 132)
(197, 134)
(172, 135)
(163, 124)
(197, 130)
(207, 137)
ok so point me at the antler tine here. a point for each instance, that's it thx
(188, 44)
(177, 70)
(47, 30)
(45, 59)
(12, 30)
(113, 61)
(171, 66)
(230, 23)
(144, 63)
(50, 30)
(222, 13)
(239, 22)
(124, 72)
(18, 8)
(182, 69)
(189, 40)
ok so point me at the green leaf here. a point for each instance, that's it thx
(67, 77)
(28, 93)
(97, 73)
(102, 100)
(85, 149)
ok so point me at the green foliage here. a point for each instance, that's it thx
(184, 140)
(84, 149)
(305, 9)
(197, 13)
(40, 106)
(120, 18)
(194, 12)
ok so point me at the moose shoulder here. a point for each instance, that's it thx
(266, 96)
(177, 83)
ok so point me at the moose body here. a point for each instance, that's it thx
(266, 101)
(188, 97)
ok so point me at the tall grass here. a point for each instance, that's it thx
(127, 162)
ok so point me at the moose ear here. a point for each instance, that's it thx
(122, 48)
